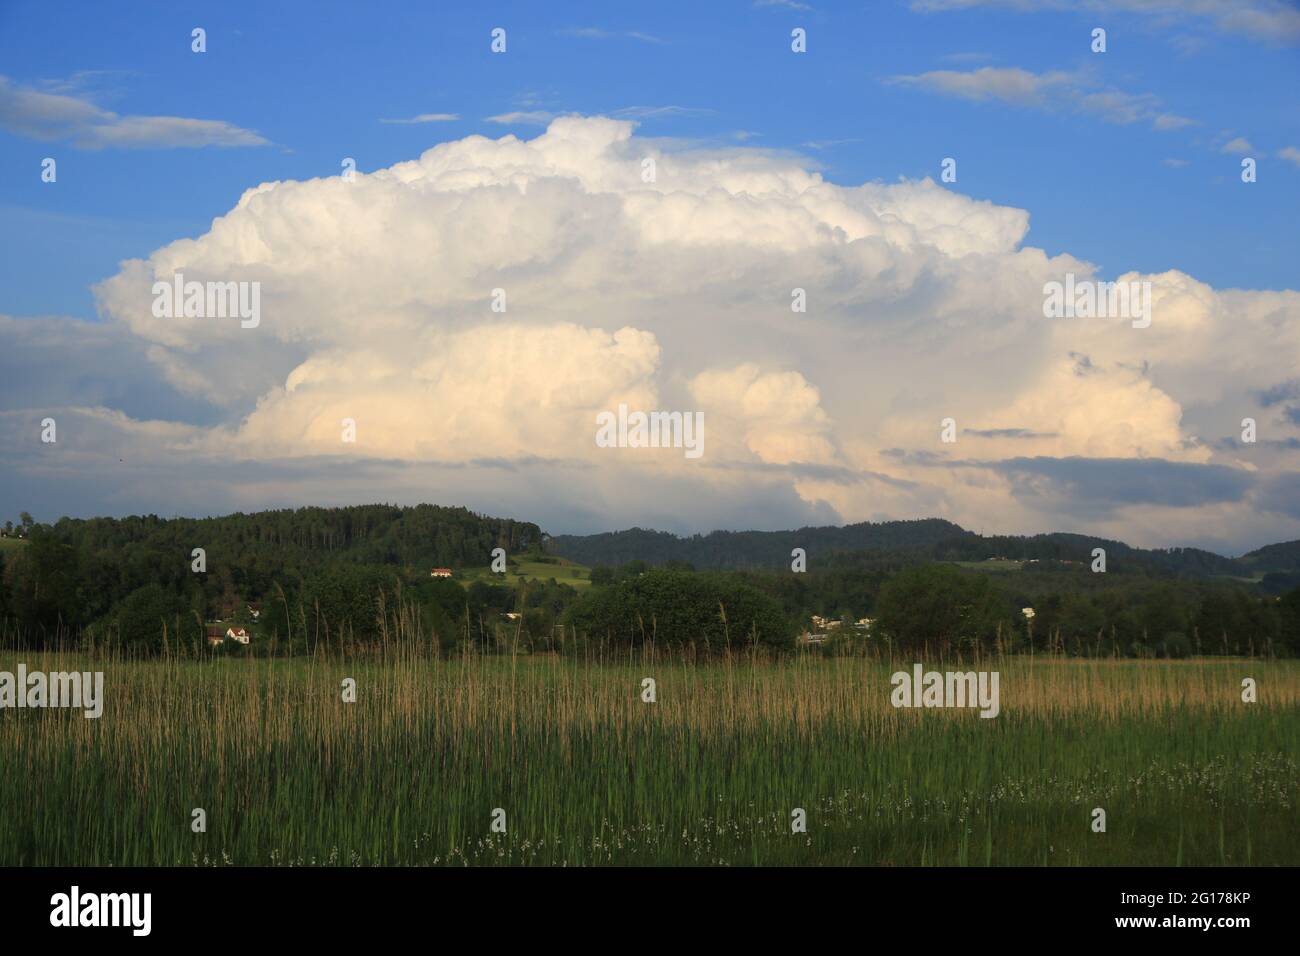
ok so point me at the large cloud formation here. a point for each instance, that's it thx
(634, 271)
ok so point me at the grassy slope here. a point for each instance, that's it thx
(991, 566)
(564, 572)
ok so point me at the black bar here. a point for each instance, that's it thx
(305, 905)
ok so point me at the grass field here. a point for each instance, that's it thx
(563, 570)
(708, 774)
(992, 565)
(12, 544)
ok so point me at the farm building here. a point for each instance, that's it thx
(440, 573)
(220, 633)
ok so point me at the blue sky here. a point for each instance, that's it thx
(315, 80)
(777, 170)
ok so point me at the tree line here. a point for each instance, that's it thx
(326, 579)
(926, 539)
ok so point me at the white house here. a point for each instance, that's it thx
(237, 634)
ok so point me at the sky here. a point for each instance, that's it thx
(773, 170)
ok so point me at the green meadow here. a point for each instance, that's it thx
(710, 773)
(529, 569)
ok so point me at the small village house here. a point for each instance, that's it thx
(440, 573)
(220, 633)
(825, 623)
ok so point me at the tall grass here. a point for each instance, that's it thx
(708, 774)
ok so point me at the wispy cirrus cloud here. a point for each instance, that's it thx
(424, 118)
(820, 144)
(525, 117)
(71, 115)
(1008, 84)
(1274, 21)
(599, 33)
(654, 112)
(783, 5)
(1054, 90)
(543, 117)
(1168, 121)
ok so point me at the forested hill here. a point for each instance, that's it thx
(754, 549)
(370, 534)
(268, 542)
(931, 538)
(123, 576)
(1275, 557)
(131, 582)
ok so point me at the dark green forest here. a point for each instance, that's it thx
(116, 579)
(325, 579)
(931, 538)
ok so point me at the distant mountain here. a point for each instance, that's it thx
(1275, 557)
(265, 543)
(931, 538)
(1060, 546)
(753, 549)
(1277, 564)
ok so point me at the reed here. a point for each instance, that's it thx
(587, 773)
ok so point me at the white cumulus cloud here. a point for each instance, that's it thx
(675, 294)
